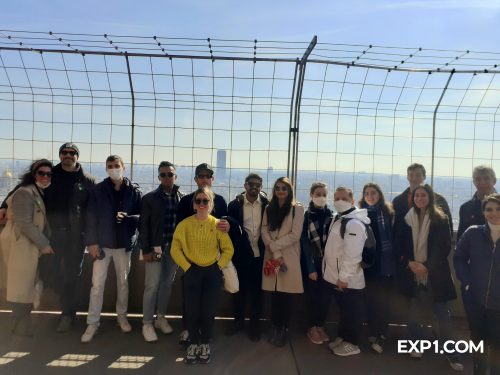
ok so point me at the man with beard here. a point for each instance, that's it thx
(66, 201)
(245, 216)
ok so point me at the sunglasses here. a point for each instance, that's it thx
(205, 176)
(254, 184)
(280, 188)
(200, 201)
(71, 153)
(168, 174)
(44, 174)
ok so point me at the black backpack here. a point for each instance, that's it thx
(370, 248)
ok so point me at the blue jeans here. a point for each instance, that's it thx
(158, 280)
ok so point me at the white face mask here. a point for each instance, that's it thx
(41, 186)
(319, 201)
(342, 206)
(115, 173)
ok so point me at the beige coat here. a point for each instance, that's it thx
(285, 243)
(21, 240)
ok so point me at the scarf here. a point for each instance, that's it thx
(384, 240)
(420, 235)
(319, 220)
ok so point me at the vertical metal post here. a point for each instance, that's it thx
(434, 125)
(292, 117)
(132, 140)
(293, 146)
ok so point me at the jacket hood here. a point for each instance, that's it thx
(359, 213)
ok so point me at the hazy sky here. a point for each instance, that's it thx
(444, 24)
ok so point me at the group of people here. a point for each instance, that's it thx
(359, 255)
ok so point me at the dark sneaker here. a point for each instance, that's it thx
(64, 324)
(24, 327)
(273, 334)
(254, 331)
(204, 353)
(191, 355)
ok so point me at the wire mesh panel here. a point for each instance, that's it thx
(364, 112)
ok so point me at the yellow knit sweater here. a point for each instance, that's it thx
(198, 241)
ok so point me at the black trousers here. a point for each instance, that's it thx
(250, 278)
(67, 269)
(281, 309)
(484, 325)
(317, 298)
(379, 292)
(351, 303)
(202, 288)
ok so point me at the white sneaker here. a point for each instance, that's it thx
(123, 323)
(148, 332)
(335, 343)
(162, 324)
(346, 349)
(89, 333)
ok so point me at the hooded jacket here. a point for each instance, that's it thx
(343, 256)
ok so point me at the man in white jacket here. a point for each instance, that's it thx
(342, 270)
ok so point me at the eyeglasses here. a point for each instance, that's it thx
(71, 153)
(254, 184)
(205, 176)
(200, 201)
(44, 174)
(280, 188)
(168, 174)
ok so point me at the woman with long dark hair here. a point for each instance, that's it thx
(317, 220)
(379, 277)
(281, 231)
(424, 244)
(24, 239)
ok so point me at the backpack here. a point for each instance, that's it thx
(370, 247)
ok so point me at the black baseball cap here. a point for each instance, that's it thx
(203, 167)
(69, 145)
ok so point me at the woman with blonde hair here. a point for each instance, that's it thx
(201, 251)
(281, 231)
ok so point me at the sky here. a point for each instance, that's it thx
(441, 24)
(450, 24)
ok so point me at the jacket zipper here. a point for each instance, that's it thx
(490, 275)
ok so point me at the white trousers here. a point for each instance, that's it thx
(121, 260)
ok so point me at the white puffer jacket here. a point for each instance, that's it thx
(343, 256)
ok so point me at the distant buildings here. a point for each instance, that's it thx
(221, 164)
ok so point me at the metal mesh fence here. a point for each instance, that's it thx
(342, 114)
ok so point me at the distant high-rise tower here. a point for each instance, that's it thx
(221, 164)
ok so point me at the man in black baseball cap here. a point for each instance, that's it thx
(66, 205)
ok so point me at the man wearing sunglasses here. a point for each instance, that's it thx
(156, 229)
(245, 216)
(66, 201)
(204, 177)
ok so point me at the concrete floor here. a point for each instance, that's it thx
(129, 354)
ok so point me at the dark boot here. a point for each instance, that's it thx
(273, 335)
(24, 327)
(234, 327)
(254, 331)
(281, 337)
(21, 323)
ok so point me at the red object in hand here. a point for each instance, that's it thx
(272, 267)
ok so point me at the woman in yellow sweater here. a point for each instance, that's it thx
(201, 251)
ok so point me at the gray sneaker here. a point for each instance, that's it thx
(64, 324)
(346, 349)
(204, 353)
(192, 355)
(89, 333)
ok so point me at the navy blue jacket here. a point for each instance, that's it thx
(101, 214)
(470, 214)
(477, 264)
(243, 253)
